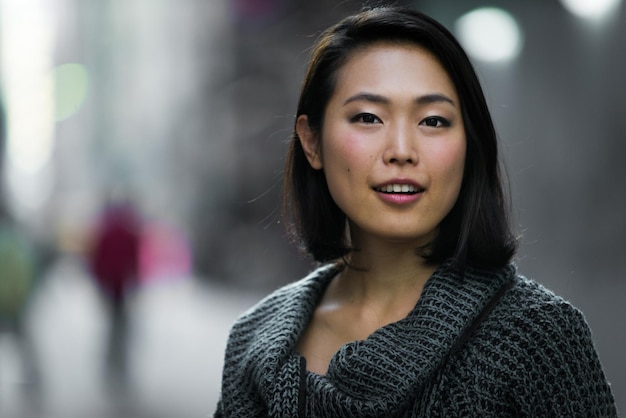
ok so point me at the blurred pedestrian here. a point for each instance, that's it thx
(392, 181)
(18, 277)
(114, 263)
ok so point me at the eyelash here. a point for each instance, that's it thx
(361, 118)
(439, 122)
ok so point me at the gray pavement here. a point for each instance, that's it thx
(178, 334)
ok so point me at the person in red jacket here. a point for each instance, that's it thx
(114, 262)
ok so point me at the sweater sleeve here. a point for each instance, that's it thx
(219, 413)
(239, 395)
(559, 372)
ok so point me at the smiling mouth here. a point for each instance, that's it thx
(399, 188)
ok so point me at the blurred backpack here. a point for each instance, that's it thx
(16, 271)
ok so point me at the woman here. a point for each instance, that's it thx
(392, 180)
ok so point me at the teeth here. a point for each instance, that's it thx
(398, 188)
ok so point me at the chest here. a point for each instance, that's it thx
(332, 328)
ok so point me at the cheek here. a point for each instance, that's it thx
(450, 162)
(346, 162)
(457, 160)
(343, 154)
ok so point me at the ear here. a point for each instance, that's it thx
(310, 142)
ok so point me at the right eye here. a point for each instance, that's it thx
(366, 118)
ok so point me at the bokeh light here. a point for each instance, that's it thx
(70, 88)
(490, 34)
(27, 38)
(591, 9)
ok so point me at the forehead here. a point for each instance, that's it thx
(400, 67)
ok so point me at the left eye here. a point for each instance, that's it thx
(435, 122)
(366, 118)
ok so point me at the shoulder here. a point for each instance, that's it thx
(532, 323)
(266, 331)
(290, 297)
(544, 344)
(531, 304)
(534, 316)
(261, 339)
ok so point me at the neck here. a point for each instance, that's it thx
(386, 274)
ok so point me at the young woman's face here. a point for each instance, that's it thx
(392, 146)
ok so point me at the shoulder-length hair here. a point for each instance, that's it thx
(477, 229)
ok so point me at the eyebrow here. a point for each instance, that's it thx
(425, 99)
(435, 98)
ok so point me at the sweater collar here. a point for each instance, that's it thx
(395, 362)
(384, 372)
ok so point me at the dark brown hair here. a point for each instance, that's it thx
(477, 229)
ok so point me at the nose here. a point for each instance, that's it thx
(401, 146)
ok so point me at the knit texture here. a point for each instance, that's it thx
(532, 356)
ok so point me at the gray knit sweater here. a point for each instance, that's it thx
(531, 356)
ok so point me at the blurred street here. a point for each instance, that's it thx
(178, 331)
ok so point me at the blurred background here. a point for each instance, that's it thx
(160, 127)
